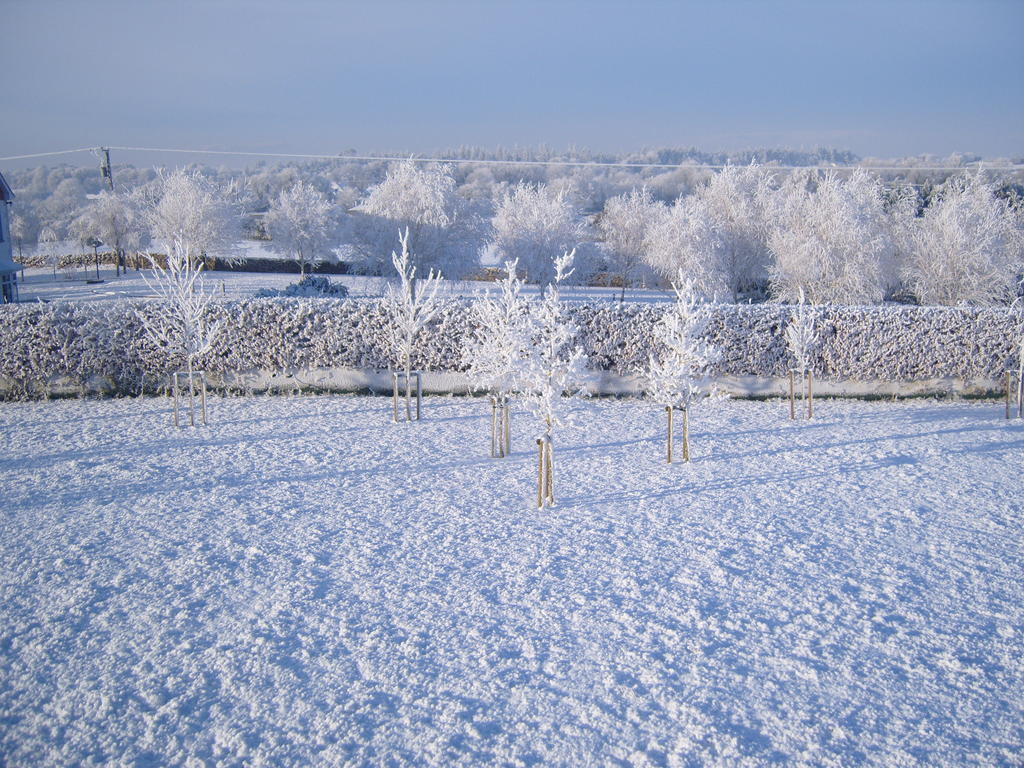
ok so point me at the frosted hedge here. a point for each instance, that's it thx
(102, 346)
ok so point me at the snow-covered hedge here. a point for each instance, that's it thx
(102, 346)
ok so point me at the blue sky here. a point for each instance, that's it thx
(879, 78)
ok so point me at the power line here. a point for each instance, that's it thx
(534, 163)
(49, 154)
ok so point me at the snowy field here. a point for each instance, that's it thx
(41, 285)
(302, 582)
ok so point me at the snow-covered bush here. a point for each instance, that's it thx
(311, 286)
(834, 240)
(718, 235)
(531, 223)
(968, 248)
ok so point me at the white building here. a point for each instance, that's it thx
(8, 269)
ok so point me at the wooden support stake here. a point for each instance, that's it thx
(394, 397)
(203, 375)
(668, 409)
(508, 429)
(1020, 397)
(191, 401)
(419, 393)
(792, 396)
(494, 427)
(686, 434)
(550, 469)
(810, 395)
(1009, 380)
(540, 473)
(175, 388)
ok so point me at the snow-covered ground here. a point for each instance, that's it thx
(41, 284)
(302, 582)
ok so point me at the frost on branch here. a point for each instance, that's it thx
(801, 336)
(499, 340)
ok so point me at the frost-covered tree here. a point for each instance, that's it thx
(179, 321)
(186, 208)
(677, 370)
(408, 310)
(496, 348)
(833, 240)
(554, 367)
(444, 232)
(110, 218)
(49, 249)
(719, 234)
(532, 222)
(968, 248)
(801, 339)
(625, 227)
(301, 224)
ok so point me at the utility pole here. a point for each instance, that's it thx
(105, 170)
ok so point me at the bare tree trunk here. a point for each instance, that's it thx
(686, 434)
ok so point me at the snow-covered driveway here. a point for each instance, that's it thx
(302, 582)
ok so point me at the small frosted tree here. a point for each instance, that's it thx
(300, 224)
(801, 339)
(188, 209)
(408, 312)
(111, 219)
(495, 351)
(624, 227)
(179, 322)
(677, 370)
(49, 248)
(553, 367)
(532, 222)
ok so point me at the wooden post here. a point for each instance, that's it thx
(810, 395)
(550, 469)
(494, 426)
(686, 434)
(508, 428)
(668, 409)
(792, 396)
(419, 393)
(408, 394)
(1020, 396)
(174, 387)
(394, 396)
(202, 377)
(1009, 379)
(540, 473)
